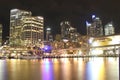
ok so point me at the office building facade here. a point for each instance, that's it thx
(68, 32)
(65, 26)
(109, 29)
(24, 28)
(95, 29)
(16, 16)
(32, 30)
(73, 36)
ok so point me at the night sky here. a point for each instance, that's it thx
(55, 11)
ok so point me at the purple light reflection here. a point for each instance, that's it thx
(3, 70)
(47, 70)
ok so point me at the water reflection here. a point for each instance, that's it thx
(3, 69)
(60, 69)
(47, 70)
(95, 70)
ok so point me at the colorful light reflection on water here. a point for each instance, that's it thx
(60, 69)
(47, 70)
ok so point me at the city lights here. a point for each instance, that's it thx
(59, 39)
(93, 16)
(27, 37)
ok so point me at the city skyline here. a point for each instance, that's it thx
(77, 12)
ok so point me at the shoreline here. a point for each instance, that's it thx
(43, 57)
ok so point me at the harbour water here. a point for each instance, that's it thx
(97, 68)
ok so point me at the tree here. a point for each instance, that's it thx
(58, 37)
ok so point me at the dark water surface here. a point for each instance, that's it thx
(60, 69)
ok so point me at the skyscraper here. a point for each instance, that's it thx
(49, 36)
(95, 29)
(32, 30)
(65, 26)
(73, 34)
(109, 29)
(68, 32)
(16, 16)
(97, 24)
(24, 28)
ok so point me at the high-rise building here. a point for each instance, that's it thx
(68, 32)
(1, 34)
(73, 34)
(65, 26)
(16, 16)
(49, 36)
(109, 29)
(32, 30)
(95, 29)
(24, 28)
(97, 24)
